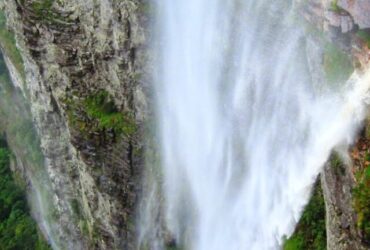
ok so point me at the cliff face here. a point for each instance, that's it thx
(82, 62)
(85, 68)
(345, 24)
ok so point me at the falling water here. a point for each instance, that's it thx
(243, 131)
(24, 143)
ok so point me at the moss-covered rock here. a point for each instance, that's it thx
(97, 112)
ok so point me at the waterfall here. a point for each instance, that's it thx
(25, 145)
(243, 131)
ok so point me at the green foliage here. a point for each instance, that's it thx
(42, 6)
(8, 43)
(75, 207)
(334, 6)
(21, 135)
(17, 229)
(294, 243)
(361, 195)
(100, 108)
(364, 35)
(43, 10)
(310, 233)
(337, 65)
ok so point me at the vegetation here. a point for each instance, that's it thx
(101, 109)
(8, 43)
(43, 11)
(361, 192)
(17, 229)
(360, 155)
(337, 164)
(21, 135)
(361, 195)
(310, 233)
(364, 35)
(337, 64)
(42, 7)
(334, 6)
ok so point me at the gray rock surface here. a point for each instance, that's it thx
(337, 182)
(75, 48)
(359, 10)
(72, 50)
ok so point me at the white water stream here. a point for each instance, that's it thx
(243, 132)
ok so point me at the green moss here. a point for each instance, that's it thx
(84, 227)
(41, 7)
(100, 108)
(310, 233)
(337, 65)
(75, 206)
(43, 10)
(8, 43)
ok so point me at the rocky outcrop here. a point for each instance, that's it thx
(85, 67)
(359, 10)
(342, 23)
(77, 53)
(345, 22)
(337, 182)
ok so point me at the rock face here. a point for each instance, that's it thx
(340, 24)
(337, 183)
(80, 55)
(85, 65)
(359, 10)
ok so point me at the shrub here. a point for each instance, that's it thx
(103, 113)
(17, 228)
(310, 233)
(361, 195)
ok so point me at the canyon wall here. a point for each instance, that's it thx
(83, 62)
(345, 24)
(86, 79)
